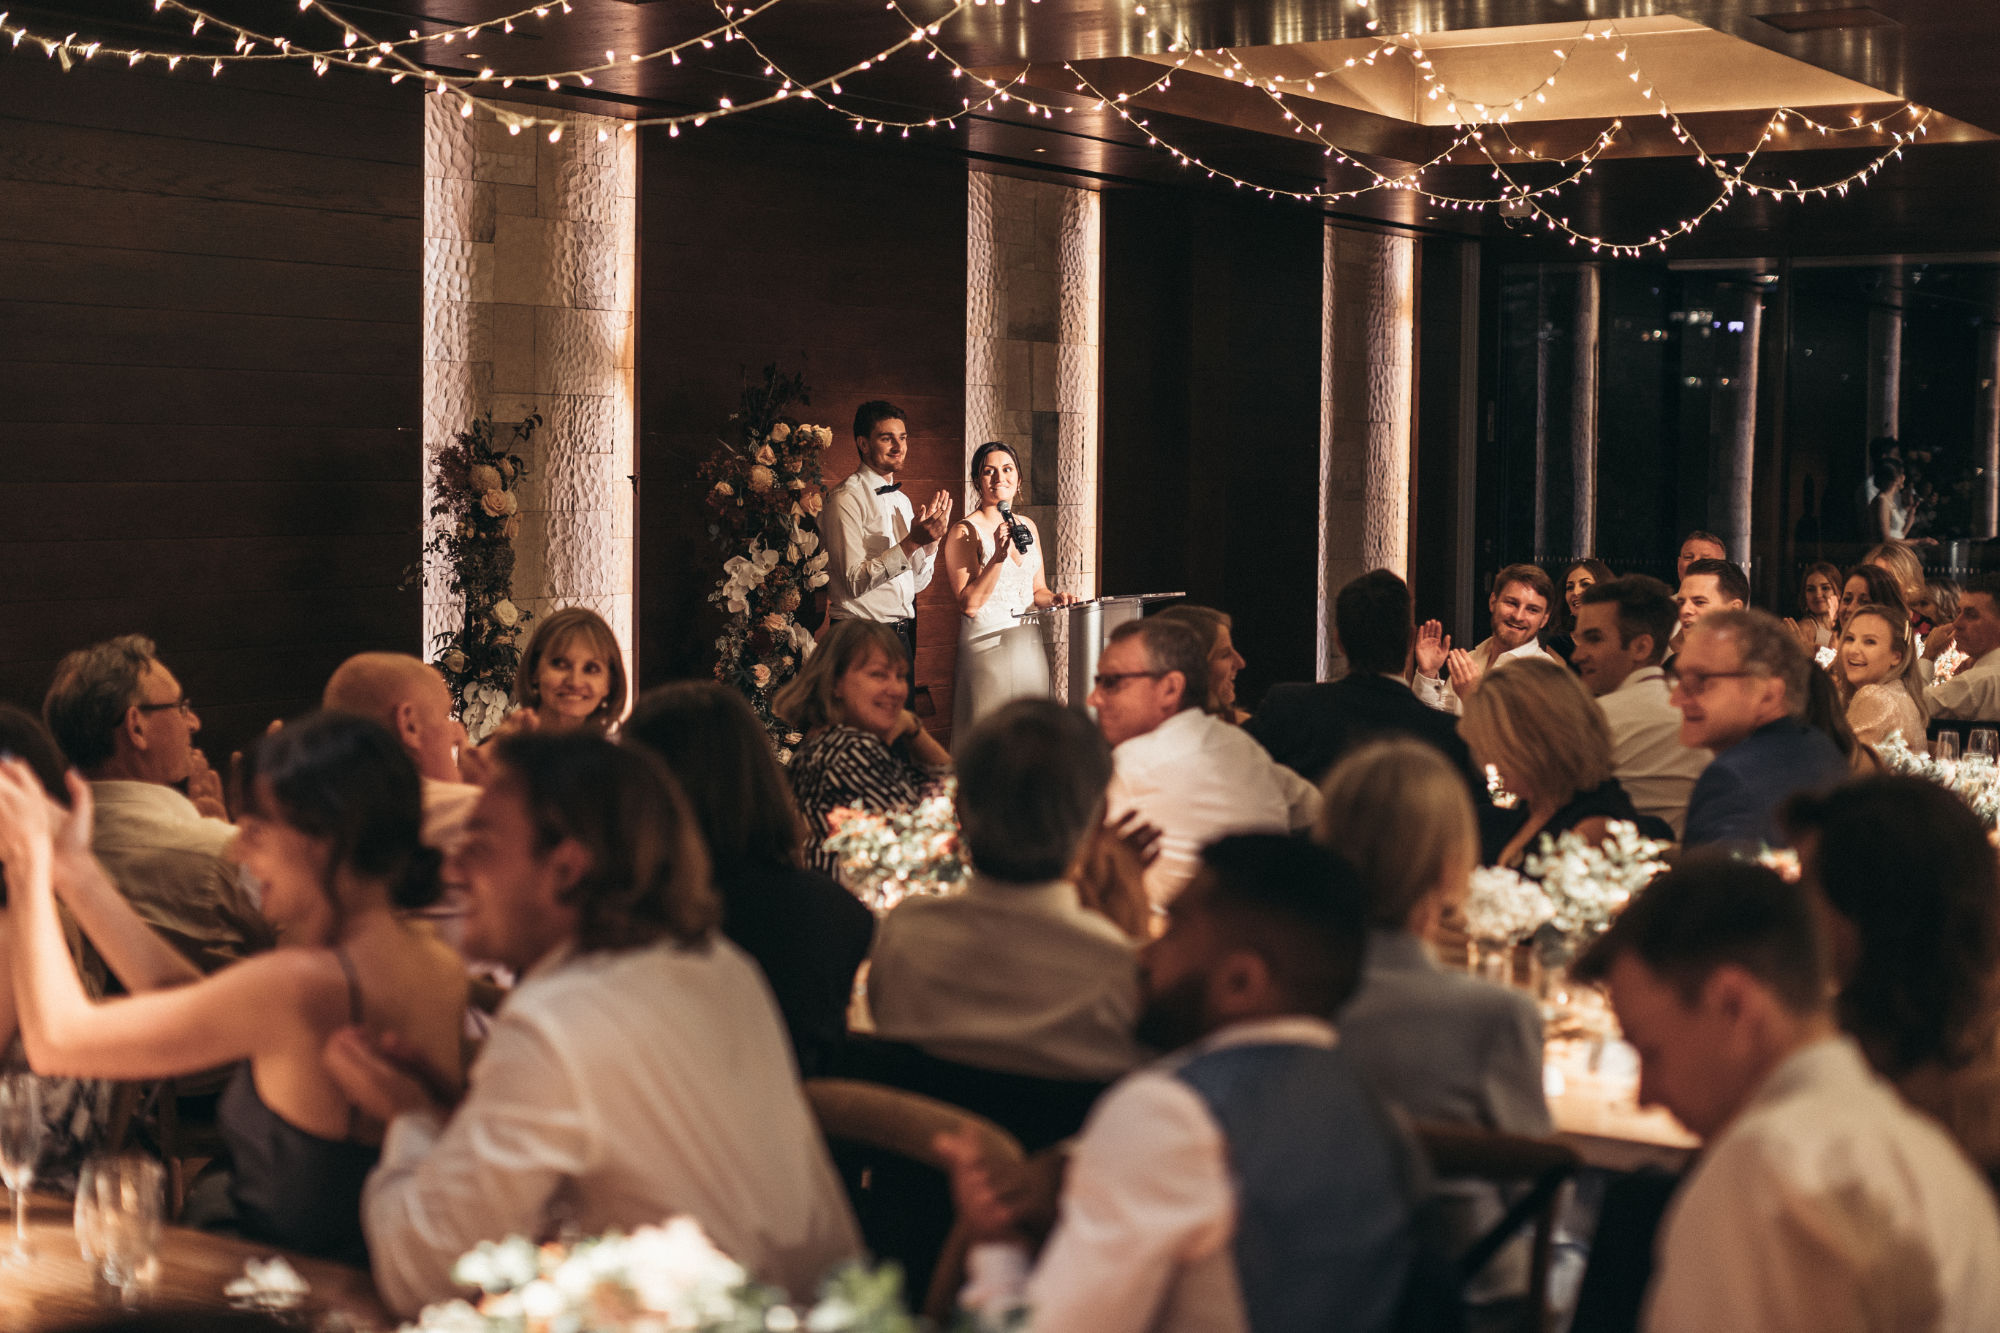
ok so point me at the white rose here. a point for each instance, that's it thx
(484, 477)
(781, 432)
(505, 614)
(454, 661)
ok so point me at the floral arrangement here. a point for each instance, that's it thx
(478, 515)
(1947, 665)
(1976, 783)
(1504, 908)
(1588, 883)
(660, 1279)
(765, 493)
(887, 858)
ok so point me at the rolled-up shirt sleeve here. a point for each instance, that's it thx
(866, 558)
(487, 1173)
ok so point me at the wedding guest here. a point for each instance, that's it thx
(572, 674)
(882, 553)
(1742, 684)
(1216, 631)
(1819, 1200)
(1187, 773)
(863, 750)
(1015, 974)
(1939, 605)
(1535, 723)
(807, 933)
(1900, 561)
(1904, 883)
(1442, 1046)
(330, 828)
(1877, 677)
(1560, 638)
(1974, 692)
(123, 721)
(1710, 585)
(1250, 1180)
(1519, 606)
(1819, 607)
(1826, 713)
(639, 1071)
(1623, 628)
(409, 698)
(1867, 585)
(1698, 545)
(1308, 728)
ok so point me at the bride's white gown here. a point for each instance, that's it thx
(999, 657)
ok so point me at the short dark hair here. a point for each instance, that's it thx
(1296, 905)
(1534, 576)
(979, 461)
(648, 876)
(1171, 645)
(1713, 910)
(23, 736)
(1645, 606)
(873, 413)
(722, 757)
(1885, 472)
(1907, 862)
(1729, 580)
(1031, 780)
(1703, 535)
(1986, 584)
(88, 697)
(1883, 590)
(1371, 616)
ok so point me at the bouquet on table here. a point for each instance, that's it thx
(1975, 782)
(885, 858)
(1588, 883)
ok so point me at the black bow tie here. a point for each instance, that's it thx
(892, 486)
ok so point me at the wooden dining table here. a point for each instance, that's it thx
(55, 1288)
(1596, 1112)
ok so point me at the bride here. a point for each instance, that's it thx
(999, 657)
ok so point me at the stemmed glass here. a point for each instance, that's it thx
(120, 1227)
(21, 1134)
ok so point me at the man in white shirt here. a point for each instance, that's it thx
(410, 698)
(1820, 1203)
(1190, 775)
(638, 1072)
(1974, 692)
(881, 552)
(1519, 606)
(1622, 629)
(121, 718)
(1250, 1180)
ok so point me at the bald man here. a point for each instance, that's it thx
(409, 698)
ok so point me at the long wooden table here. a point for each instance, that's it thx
(56, 1288)
(1598, 1115)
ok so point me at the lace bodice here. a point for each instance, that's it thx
(1012, 594)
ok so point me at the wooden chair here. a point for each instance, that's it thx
(905, 1125)
(1458, 1152)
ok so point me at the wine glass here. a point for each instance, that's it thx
(1983, 745)
(21, 1133)
(1945, 748)
(126, 1224)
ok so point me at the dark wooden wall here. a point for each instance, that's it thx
(209, 376)
(842, 260)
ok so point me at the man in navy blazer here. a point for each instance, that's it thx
(1741, 681)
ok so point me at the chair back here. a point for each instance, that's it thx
(1536, 1169)
(1039, 1112)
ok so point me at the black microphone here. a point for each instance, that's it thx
(1023, 538)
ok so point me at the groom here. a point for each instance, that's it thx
(881, 552)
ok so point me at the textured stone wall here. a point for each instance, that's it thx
(529, 267)
(1032, 320)
(1367, 378)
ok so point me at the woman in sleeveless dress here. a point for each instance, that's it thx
(330, 830)
(999, 657)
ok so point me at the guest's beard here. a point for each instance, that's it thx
(1174, 1017)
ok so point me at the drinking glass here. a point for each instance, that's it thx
(1983, 745)
(1945, 748)
(125, 1228)
(21, 1133)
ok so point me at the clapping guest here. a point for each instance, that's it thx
(1819, 607)
(330, 828)
(1560, 638)
(572, 674)
(1215, 630)
(807, 933)
(640, 1070)
(1878, 678)
(863, 750)
(1519, 607)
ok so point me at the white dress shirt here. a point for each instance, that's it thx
(1439, 692)
(618, 1088)
(1828, 1206)
(1974, 693)
(1142, 1238)
(172, 865)
(871, 578)
(1197, 778)
(1647, 756)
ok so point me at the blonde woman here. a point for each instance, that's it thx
(1900, 561)
(1549, 740)
(1876, 669)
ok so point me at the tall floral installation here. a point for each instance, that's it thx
(477, 515)
(765, 493)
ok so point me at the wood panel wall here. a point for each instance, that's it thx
(209, 376)
(839, 259)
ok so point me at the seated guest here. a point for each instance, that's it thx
(1876, 674)
(639, 1071)
(1900, 561)
(1308, 728)
(410, 698)
(1519, 606)
(1820, 1201)
(1710, 585)
(1192, 776)
(863, 749)
(572, 674)
(1819, 607)
(1939, 604)
(1214, 628)
(1866, 585)
(1826, 714)
(807, 933)
(1622, 631)
(1535, 723)
(1905, 886)
(1743, 684)
(120, 717)
(1015, 974)
(1560, 637)
(1697, 545)
(1442, 1046)
(1251, 1180)
(1974, 692)
(330, 827)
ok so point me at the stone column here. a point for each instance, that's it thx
(1583, 413)
(1989, 432)
(1739, 458)
(1885, 369)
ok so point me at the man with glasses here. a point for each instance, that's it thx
(1740, 682)
(124, 722)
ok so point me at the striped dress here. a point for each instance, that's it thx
(845, 766)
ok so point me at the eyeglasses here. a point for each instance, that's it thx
(1112, 680)
(185, 704)
(1694, 684)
